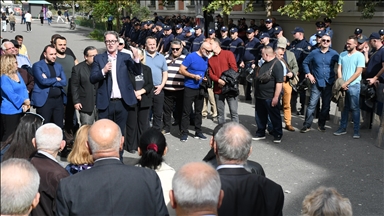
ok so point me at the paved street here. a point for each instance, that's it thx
(300, 163)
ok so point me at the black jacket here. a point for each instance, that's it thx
(146, 99)
(231, 88)
(83, 91)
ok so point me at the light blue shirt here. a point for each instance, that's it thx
(158, 65)
(349, 64)
(22, 60)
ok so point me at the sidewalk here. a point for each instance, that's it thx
(301, 163)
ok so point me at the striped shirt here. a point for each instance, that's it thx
(175, 81)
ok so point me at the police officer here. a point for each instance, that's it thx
(211, 33)
(236, 46)
(160, 31)
(225, 40)
(319, 34)
(269, 29)
(178, 31)
(301, 48)
(198, 40)
(320, 26)
(251, 55)
(167, 39)
(134, 36)
(265, 40)
(328, 29)
(187, 38)
(145, 32)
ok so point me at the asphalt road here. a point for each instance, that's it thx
(300, 163)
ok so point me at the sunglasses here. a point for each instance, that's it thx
(175, 49)
(121, 44)
(208, 50)
(323, 40)
(35, 114)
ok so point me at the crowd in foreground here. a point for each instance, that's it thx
(128, 84)
(40, 186)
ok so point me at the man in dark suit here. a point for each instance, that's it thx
(48, 141)
(110, 187)
(48, 95)
(245, 193)
(83, 91)
(115, 92)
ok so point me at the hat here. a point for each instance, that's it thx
(358, 31)
(178, 27)
(250, 30)
(277, 30)
(374, 35)
(218, 15)
(381, 32)
(211, 31)
(327, 20)
(137, 23)
(297, 29)
(320, 33)
(15, 43)
(233, 30)
(187, 29)
(127, 17)
(197, 27)
(121, 41)
(269, 20)
(158, 23)
(243, 18)
(155, 13)
(167, 27)
(264, 35)
(362, 39)
(320, 24)
(282, 42)
(149, 22)
(224, 29)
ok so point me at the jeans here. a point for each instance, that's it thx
(351, 104)
(192, 96)
(316, 92)
(220, 104)
(264, 110)
(12, 25)
(49, 20)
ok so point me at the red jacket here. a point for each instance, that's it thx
(217, 64)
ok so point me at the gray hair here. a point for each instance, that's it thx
(3, 45)
(326, 201)
(196, 190)
(49, 137)
(112, 33)
(115, 144)
(19, 186)
(233, 143)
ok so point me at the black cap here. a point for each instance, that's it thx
(320, 24)
(358, 31)
(327, 20)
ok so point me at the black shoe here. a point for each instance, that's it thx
(321, 128)
(305, 129)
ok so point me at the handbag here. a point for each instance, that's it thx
(266, 77)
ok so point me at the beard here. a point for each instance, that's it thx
(60, 52)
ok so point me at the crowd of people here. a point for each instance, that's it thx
(156, 71)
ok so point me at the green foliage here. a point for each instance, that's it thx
(135, 10)
(225, 6)
(97, 35)
(307, 10)
(368, 8)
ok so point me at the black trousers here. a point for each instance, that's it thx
(28, 26)
(192, 96)
(9, 124)
(136, 124)
(70, 116)
(157, 110)
(170, 98)
(52, 111)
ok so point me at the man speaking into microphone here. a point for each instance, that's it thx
(115, 91)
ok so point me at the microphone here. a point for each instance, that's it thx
(109, 61)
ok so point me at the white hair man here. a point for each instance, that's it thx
(110, 187)
(196, 190)
(19, 187)
(254, 194)
(48, 141)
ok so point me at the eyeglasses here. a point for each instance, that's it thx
(323, 40)
(35, 114)
(121, 44)
(175, 49)
(112, 42)
(208, 50)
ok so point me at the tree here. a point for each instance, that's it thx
(312, 9)
(226, 7)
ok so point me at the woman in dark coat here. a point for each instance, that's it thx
(138, 115)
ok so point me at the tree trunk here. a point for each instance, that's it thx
(269, 8)
(225, 19)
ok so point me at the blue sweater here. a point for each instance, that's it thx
(13, 95)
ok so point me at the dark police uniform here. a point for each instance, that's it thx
(197, 42)
(237, 47)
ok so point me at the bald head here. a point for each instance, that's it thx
(206, 45)
(196, 186)
(104, 136)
